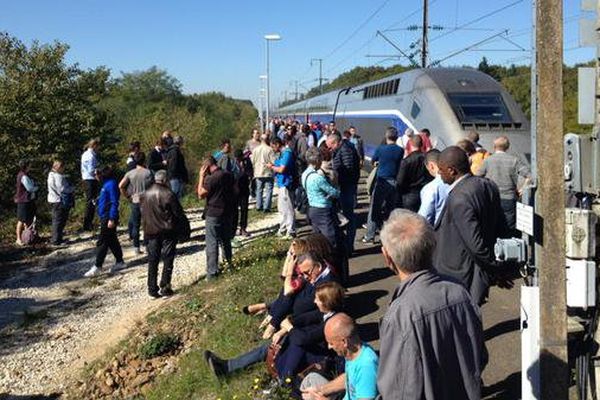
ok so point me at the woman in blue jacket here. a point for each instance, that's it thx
(108, 211)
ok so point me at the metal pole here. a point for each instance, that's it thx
(268, 97)
(321, 75)
(320, 61)
(549, 201)
(424, 48)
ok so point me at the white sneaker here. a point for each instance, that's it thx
(92, 272)
(117, 267)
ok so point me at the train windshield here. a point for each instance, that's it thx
(479, 108)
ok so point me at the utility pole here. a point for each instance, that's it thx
(320, 61)
(295, 90)
(424, 40)
(549, 201)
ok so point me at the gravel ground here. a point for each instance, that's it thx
(53, 321)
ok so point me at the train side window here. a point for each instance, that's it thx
(415, 110)
(396, 85)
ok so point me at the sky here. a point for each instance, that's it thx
(219, 45)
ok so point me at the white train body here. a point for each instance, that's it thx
(450, 102)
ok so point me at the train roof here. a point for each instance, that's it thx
(446, 79)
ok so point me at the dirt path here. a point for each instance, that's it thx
(53, 321)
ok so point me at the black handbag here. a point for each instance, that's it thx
(183, 230)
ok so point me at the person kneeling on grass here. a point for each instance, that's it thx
(108, 211)
(360, 378)
(301, 339)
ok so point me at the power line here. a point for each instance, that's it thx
(369, 41)
(358, 29)
(477, 19)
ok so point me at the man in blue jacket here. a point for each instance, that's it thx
(108, 211)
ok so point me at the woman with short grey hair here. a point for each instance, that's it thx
(61, 200)
(321, 211)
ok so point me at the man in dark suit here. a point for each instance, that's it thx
(469, 225)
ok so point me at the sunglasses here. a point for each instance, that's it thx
(306, 274)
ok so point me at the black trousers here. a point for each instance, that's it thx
(59, 220)
(158, 247)
(411, 201)
(243, 207)
(108, 240)
(91, 192)
(325, 222)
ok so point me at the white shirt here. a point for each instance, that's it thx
(456, 182)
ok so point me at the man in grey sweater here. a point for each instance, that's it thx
(431, 335)
(506, 171)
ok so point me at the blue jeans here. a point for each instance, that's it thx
(347, 196)
(264, 186)
(254, 356)
(383, 202)
(218, 231)
(325, 222)
(133, 226)
(177, 187)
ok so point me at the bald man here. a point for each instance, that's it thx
(505, 170)
(360, 379)
(468, 226)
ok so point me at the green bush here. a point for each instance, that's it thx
(158, 345)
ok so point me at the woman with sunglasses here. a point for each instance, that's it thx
(301, 339)
(293, 281)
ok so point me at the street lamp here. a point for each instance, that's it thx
(262, 92)
(269, 38)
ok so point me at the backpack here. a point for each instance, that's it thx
(29, 235)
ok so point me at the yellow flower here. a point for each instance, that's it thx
(256, 380)
(288, 380)
(255, 387)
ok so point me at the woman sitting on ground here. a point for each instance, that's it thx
(292, 280)
(302, 339)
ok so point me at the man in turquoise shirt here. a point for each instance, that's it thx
(360, 379)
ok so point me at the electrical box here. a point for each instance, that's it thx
(581, 283)
(580, 233)
(578, 158)
(513, 250)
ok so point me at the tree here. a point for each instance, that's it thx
(48, 109)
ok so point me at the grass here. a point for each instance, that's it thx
(223, 328)
(205, 316)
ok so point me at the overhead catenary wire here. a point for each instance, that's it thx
(371, 39)
(358, 29)
(478, 19)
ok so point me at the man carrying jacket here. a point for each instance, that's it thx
(161, 213)
(346, 164)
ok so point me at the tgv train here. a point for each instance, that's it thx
(450, 102)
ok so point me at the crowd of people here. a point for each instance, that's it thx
(436, 213)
